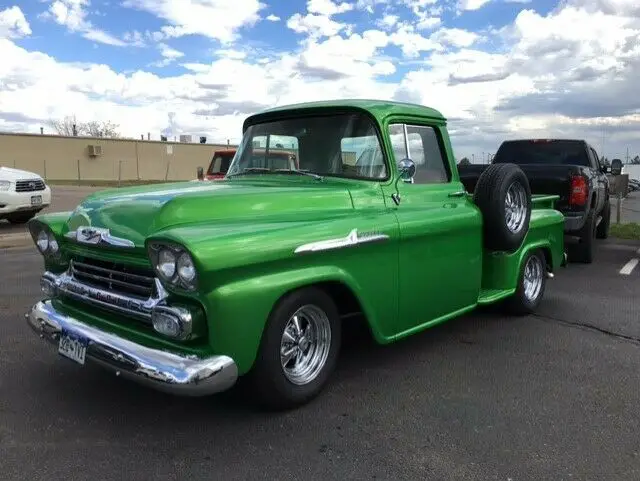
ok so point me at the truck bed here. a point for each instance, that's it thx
(543, 179)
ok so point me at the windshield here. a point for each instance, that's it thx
(342, 145)
(220, 162)
(567, 152)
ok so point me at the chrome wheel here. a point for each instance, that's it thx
(515, 207)
(533, 278)
(305, 344)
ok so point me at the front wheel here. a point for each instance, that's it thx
(299, 349)
(531, 284)
(21, 217)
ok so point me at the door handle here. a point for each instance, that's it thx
(460, 193)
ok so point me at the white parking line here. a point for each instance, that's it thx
(629, 266)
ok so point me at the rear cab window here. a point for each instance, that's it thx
(558, 152)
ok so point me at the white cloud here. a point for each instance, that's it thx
(169, 55)
(73, 15)
(315, 25)
(388, 21)
(273, 18)
(455, 37)
(471, 5)
(13, 23)
(411, 43)
(220, 20)
(327, 7)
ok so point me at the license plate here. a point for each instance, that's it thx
(36, 199)
(72, 347)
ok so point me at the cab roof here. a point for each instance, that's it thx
(377, 108)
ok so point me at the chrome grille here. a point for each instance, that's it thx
(119, 278)
(31, 185)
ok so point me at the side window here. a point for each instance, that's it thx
(362, 157)
(423, 149)
(595, 158)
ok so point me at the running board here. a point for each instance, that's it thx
(489, 296)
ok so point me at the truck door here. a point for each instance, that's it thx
(440, 250)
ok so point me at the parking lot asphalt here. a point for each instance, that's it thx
(484, 397)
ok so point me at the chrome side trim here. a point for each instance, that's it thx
(98, 236)
(64, 284)
(350, 240)
(179, 374)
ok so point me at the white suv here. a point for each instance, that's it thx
(22, 195)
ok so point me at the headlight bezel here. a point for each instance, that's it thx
(52, 249)
(176, 252)
(5, 185)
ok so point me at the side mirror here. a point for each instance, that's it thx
(200, 173)
(407, 169)
(616, 167)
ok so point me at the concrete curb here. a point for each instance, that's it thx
(17, 239)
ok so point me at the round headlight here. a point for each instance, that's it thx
(43, 241)
(167, 263)
(53, 244)
(186, 269)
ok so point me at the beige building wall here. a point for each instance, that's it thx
(68, 158)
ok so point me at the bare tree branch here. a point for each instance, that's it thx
(71, 127)
(96, 128)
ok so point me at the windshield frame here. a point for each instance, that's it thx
(315, 112)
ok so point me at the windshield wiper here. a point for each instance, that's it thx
(249, 170)
(299, 172)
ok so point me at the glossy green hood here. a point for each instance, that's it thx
(137, 212)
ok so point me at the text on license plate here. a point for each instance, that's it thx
(36, 199)
(72, 348)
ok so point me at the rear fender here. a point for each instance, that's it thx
(546, 231)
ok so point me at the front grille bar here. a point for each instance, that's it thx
(123, 304)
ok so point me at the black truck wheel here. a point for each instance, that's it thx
(602, 232)
(299, 350)
(583, 251)
(503, 195)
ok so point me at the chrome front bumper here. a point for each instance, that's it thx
(162, 370)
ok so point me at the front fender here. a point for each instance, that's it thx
(238, 311)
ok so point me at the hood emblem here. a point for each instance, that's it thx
(97, 236)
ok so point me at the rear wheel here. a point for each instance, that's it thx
(531, 284)
(602, 232)
(299, 349)
(503, 196)
(583, 251)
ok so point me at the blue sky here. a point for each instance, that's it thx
(496, 68)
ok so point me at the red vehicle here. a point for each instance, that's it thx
(279, 159)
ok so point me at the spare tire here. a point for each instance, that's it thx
(503, 195)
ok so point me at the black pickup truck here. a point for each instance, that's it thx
(570, 169)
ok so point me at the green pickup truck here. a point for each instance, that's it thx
(187, 287)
